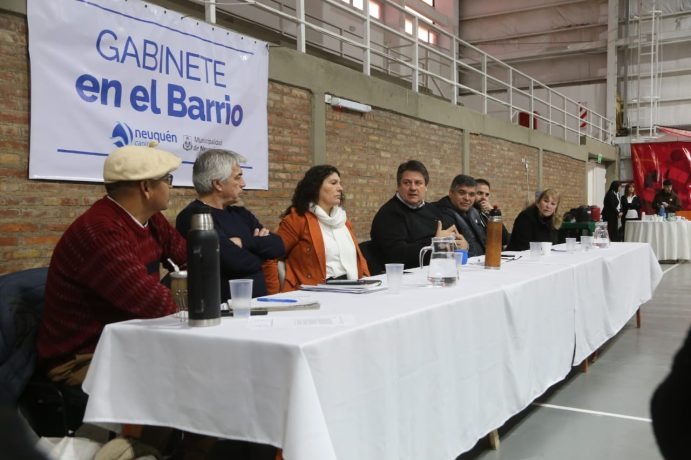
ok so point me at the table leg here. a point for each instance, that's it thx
(638, 318)
(493, 438)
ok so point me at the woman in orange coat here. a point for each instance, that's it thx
(318, 237)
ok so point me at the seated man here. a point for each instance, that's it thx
(666, 198)
(405, 224)
(244, 242)
(483, 205)
(105, 268)
(459, 208)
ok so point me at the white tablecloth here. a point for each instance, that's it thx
(423, 374)
(669, 240)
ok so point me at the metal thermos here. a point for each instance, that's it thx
(203, 271)
(493, 243)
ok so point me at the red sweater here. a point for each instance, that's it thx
(104, 269)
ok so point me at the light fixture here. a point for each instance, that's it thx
(346, 104)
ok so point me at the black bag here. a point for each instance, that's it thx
(580, 214)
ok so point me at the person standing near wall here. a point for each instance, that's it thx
(611, 210)
(630, 207)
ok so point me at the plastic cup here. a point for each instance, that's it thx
(461, 256)
(587, 242)
(570, 244)
(178, 286)
(394, 277)
(546, 248)
(535, 249)
(241, 297)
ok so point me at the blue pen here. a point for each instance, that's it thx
(268, 299)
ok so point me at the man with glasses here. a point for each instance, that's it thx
(105, 268)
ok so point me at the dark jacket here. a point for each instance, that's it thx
(610, 206)
(468, 223)
(21, 304)
(670, 405)
(635, 205)
(399, 232)
(529, 226)
(237, 262)
(671, 198)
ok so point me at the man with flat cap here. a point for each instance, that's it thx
(105, 268)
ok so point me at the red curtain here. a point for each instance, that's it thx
(656, 161)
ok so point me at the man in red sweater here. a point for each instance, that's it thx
(105, 268)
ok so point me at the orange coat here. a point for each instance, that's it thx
(305, 255)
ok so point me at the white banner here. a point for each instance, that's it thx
(106, 73)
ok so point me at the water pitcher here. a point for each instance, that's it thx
(601, 235)
(442, 269)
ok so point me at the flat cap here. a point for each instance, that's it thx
(132, 163)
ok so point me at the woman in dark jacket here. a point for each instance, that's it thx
(630, 207)
(538, 222)
(611, 210)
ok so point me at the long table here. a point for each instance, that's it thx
(422, 374)
(669, 240)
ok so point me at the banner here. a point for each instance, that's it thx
(656, 161)
(107, 73)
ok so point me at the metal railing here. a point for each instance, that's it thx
(449, 68)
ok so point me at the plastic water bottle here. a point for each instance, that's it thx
(661, 212)
(203, 271)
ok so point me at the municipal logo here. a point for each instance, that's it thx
(122, 134)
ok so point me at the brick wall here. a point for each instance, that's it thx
(34, 214)
(499, 162)
(368, 148)
(567, 175)
(290, 151)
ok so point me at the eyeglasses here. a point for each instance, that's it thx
(168, 178)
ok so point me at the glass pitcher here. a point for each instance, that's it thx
(442, 269)
(601, 235)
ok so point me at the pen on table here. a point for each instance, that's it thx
(269, 299)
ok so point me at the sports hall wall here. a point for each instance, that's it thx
(303, 131)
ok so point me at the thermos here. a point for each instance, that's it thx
(493, 243)
(203, 271)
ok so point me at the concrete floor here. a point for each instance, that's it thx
(603, 414)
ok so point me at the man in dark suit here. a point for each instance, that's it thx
(611, 210)
(458, 207)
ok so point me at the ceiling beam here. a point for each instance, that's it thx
(535, 34)
(523, 10)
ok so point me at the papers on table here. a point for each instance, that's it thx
(279, 302)
(347, 288)
(284, 303)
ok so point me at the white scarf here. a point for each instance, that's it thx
(334, 224)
